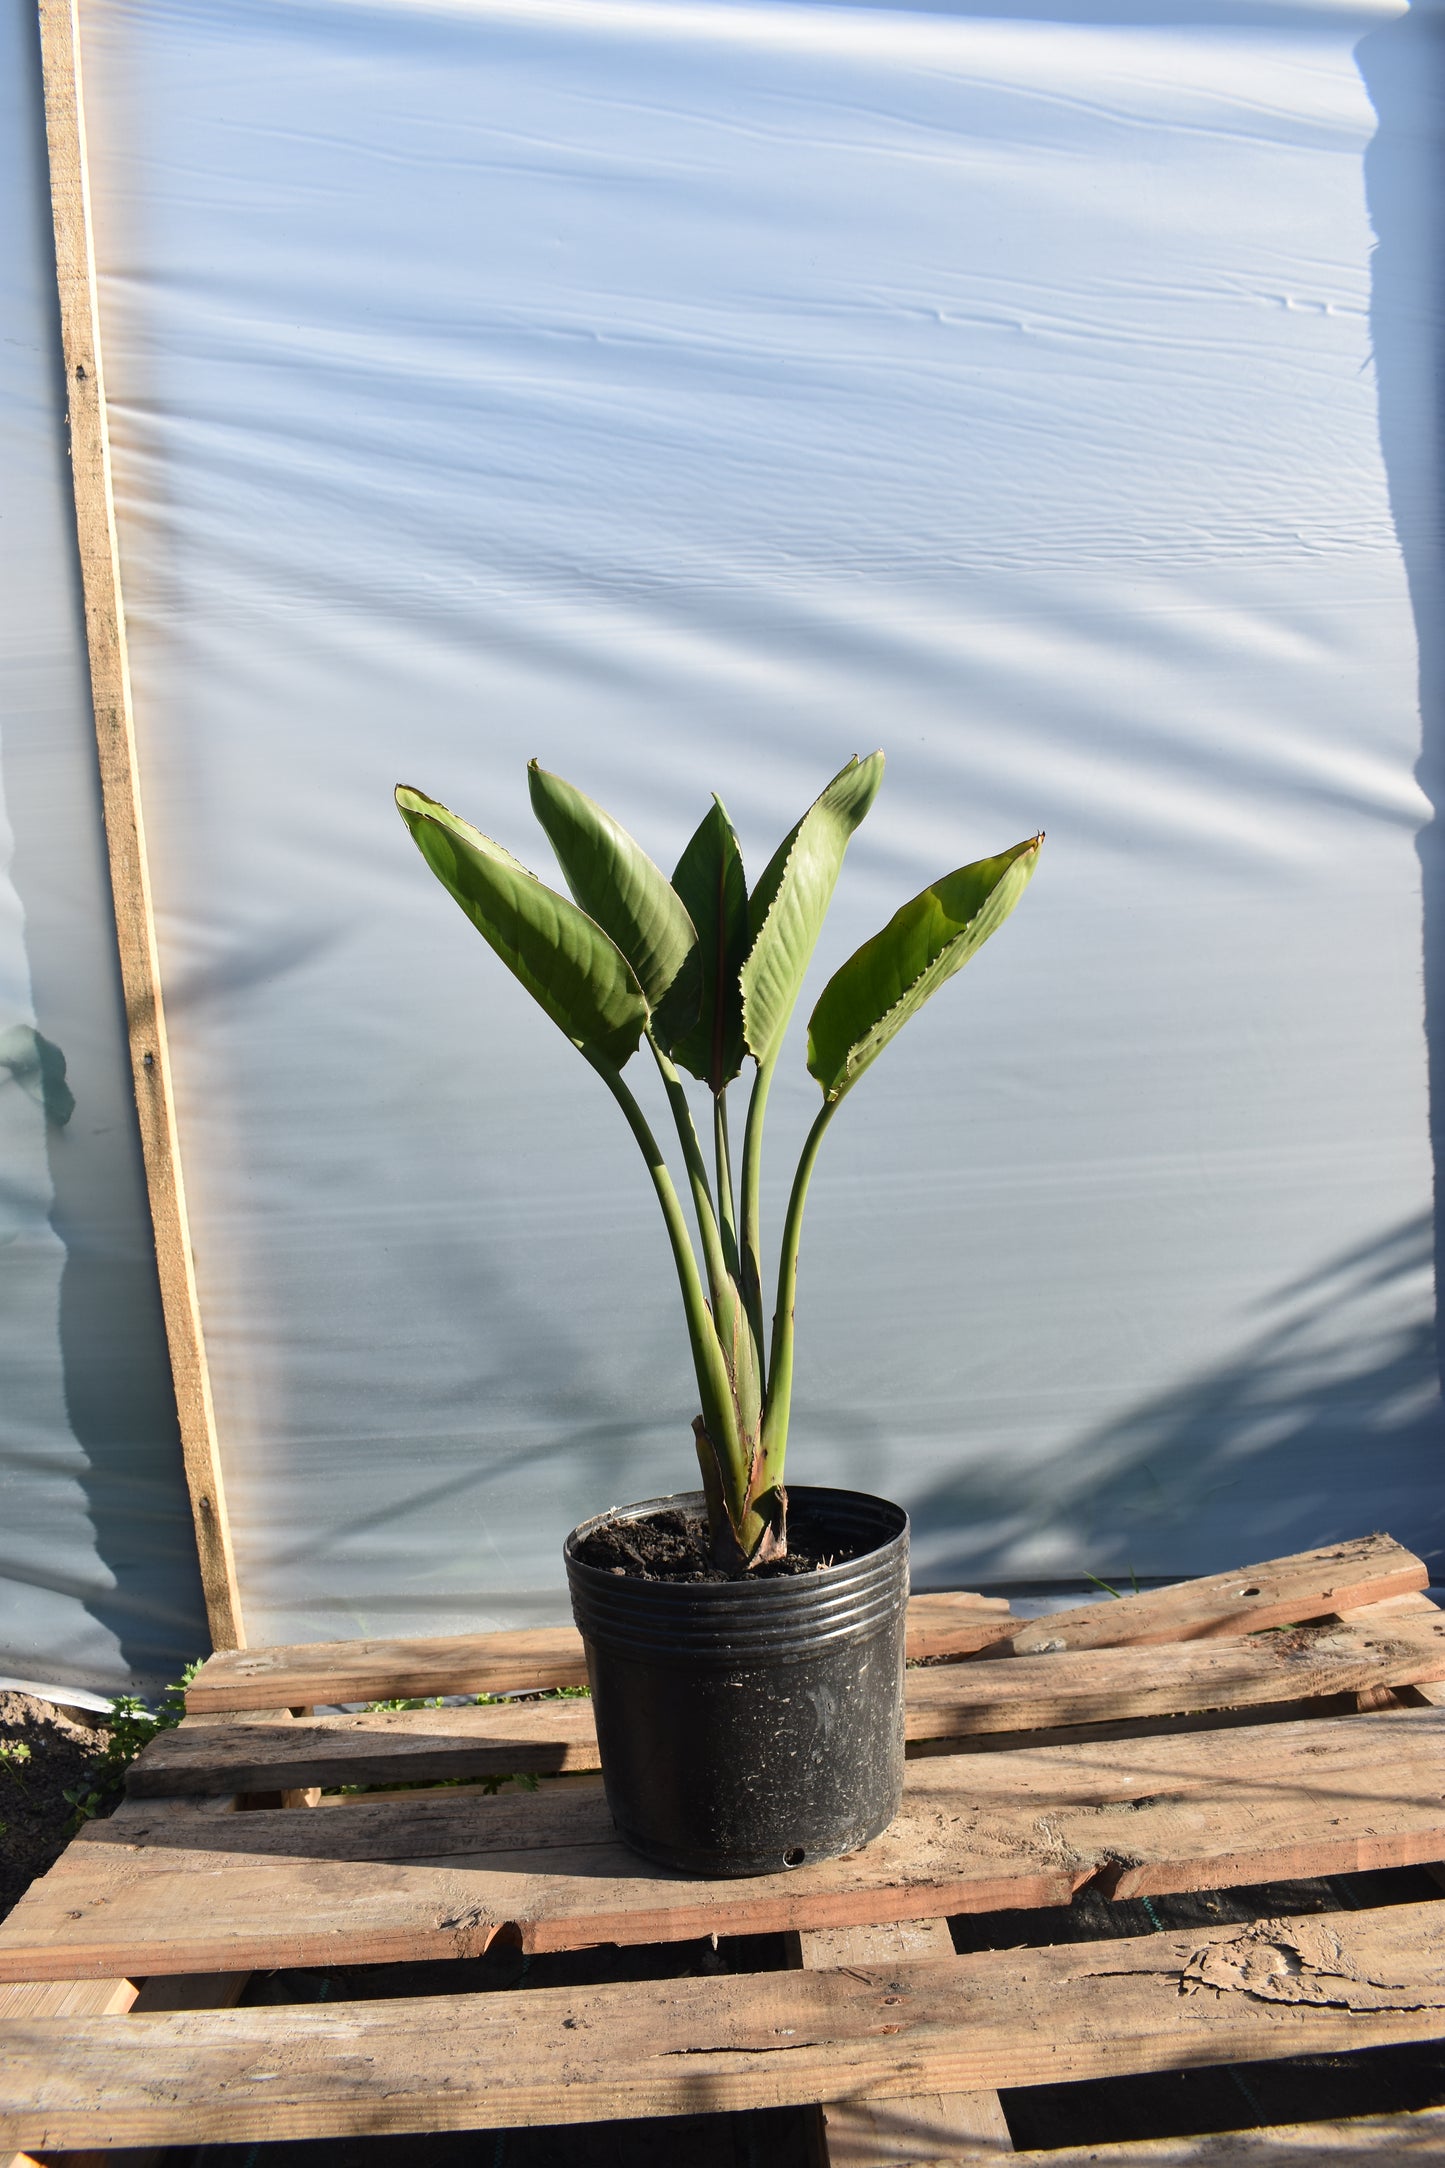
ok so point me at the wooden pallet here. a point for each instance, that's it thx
(1158, 1744)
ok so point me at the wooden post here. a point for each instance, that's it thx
(125, 831)
(921, 2127)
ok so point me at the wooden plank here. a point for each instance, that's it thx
(378, 1746)
(124, 825)
(163, 1887)
(1416, 1601)
(1416, 2140)
(57, 1999)
(67, 1998)
(182, 1991)
(1323, 1984)
(1281, 1592)
(878, 2134)
(1287, 1591)
(537, 1659)
(948, 1703)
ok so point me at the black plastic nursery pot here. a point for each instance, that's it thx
(748, 1726)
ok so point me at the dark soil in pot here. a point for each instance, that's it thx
(672, 1545)
(754, 1725)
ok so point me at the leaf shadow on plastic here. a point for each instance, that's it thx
(36, 1064)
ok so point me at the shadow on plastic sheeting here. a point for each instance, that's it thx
(1335, 1375)
(1402, 65)
(423, 1537)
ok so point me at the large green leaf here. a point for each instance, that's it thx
(712, 885)
(562, 958)
(790, 902)
(618, 885)
(869, 1000)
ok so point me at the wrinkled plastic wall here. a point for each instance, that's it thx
(98, 1579)
(692, 395)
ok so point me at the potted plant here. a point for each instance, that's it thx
(745, 1650)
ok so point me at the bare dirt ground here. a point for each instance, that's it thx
(43, 1753)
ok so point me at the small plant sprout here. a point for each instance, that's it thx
(14, 1753)
(707, 974)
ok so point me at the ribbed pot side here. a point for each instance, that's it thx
(747, 1726)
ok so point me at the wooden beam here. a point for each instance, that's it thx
(167, 1886)
(1247, 1599)
(958, 1624)
(897, 2133)
(946, 1704)
(1324, 1984)
(55, 1999)
(1282, 1591)
(108, 1998)
(124, 826)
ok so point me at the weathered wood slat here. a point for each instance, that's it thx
(1322, 1984)
(954, 1623)
(377, 1746)
(57, 1999)
(952, 1702)
(67, 1998)
(878, 2134)
(106, 1998)
(168, 1888)
(1281, 1592)
(1416, 2140)
(1284, 1591)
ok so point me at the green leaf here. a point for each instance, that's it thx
(790, 902)
(565, 962)
(712, 885)
(617, 884)
(869, 1000)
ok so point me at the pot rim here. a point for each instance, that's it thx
(811, 1494)
(785, 1618)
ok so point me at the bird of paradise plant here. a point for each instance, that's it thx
(708, 975)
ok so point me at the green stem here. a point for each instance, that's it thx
(741, 1347)
(719, 1278)
(713, 1383)
(723, 1157)
(752, 1208)
(780, 1363)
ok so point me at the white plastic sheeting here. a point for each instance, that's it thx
(98, 1580)
(692, 395)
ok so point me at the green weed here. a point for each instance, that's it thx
(131, 1726)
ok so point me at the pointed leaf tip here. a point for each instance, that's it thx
(789, 904)
(870, 998)
(710, 880)
(563, 958)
